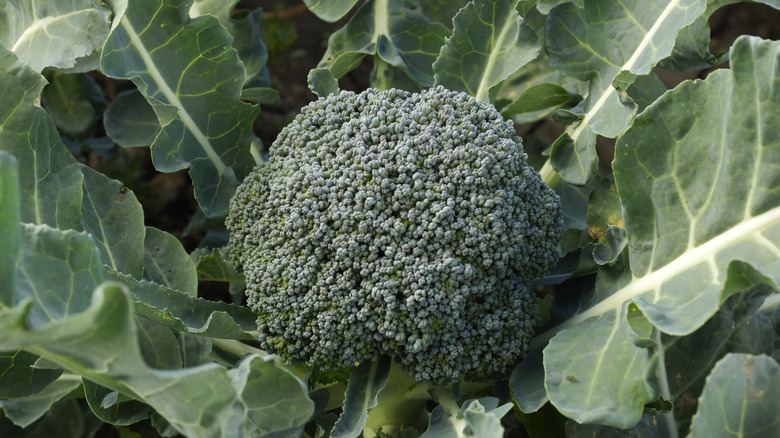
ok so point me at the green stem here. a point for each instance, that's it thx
(240, 349)
(400, 405)
(447, 401)
(663, 379)
(549, 175)
(379, 74)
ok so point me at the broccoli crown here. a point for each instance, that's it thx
(389, 222)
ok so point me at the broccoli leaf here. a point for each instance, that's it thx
(57, 269)
(107, 405)
(742, 394)
(114, 217)
(365, 383)
(694, 237)
(246, 37)
(20, 378)
(214, 265)
(527, 382)
(537, 98)
(69, 101)
(54, 33)
(9, 225)
(179, 311)
(322, 82)
(399, 36)
(192, 77)
(49, 176)
(24, 411)
(266, 390)
(692, 46)
(620, 42)
(260, 95)
(100, 344)
(479, 417)
(130, 120)
(330, 10)
(490, 41)
(167, 263)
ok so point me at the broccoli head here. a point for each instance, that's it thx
(398, 223)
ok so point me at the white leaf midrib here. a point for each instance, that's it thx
(484, 86)
(627, 66)
(747, 229)
(172, 97)
(39, 24)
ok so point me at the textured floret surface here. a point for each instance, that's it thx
(389, 222)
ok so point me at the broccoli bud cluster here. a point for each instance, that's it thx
(390, 222)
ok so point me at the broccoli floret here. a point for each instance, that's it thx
(389, 222)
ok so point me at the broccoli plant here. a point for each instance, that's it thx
(493, 219)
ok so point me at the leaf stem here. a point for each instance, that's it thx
(379, 74)
(663, 380)
(240, 349)
(447, 401)
(549, 175)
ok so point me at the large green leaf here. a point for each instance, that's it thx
(65, 418)
(489, 42)
(54, 33)
(115, 219)
(19, 377)
(167, 263)
(130, 121)
(97, 339)
(49, 176)
(9, 225)
(399, 36)
(330, 10)
(365, 383)
(274, 399)
(58, 270)
(442, 11)
(214, 265)
(67, 100)
(578, 387)
(741, 399)
(192, 77)
(608, 44)
(24, 411)
(100, 344)
(692, 46)
(244, 29)
(179, 311)
(479, 417)
(105, 404)
(697, 176)
(527, 382)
